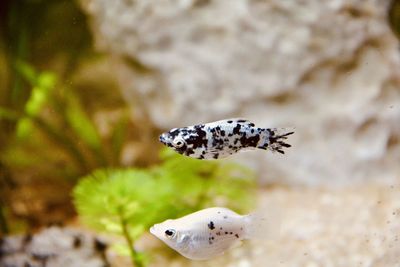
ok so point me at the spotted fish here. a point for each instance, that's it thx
(222, 138)
(207, 233)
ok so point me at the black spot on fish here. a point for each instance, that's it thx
(212, 238)
(215, 156)
(226, 233)
(243, 141)
(173, 134)
(197, 137)
(218, 233)
(211, 225)
(236, 129)
(252, 125)
(225, 217)
(189, 152)
(231, 233)
(250, 142)
(241, 121)
(237, 236)
(230, 121)
(220, 228)
(222, 133)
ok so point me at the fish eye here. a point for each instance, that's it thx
(170, 233)
(178, 142)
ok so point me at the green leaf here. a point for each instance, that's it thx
(111, 226)
(36, 101)
(24, 128)
(82, 124)
(8, 114)
(121, 249)
(130, 209)
(47, 81)
(27, 72)
(137, 231)
(118, 135)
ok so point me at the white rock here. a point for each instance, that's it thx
(331, 69)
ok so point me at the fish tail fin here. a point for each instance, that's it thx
(275, 139)
(254, 222)
(259, 226)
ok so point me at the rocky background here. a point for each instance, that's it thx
(331, 69)
(53, 247)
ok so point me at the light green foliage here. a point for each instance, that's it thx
(48, 103)
(42, 85)
(54, 111)
(138, 198)
(81, 123)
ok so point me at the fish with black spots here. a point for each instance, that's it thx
(222, 138)
(207, 233)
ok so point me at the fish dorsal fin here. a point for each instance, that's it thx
(234, 121)
(240, 120)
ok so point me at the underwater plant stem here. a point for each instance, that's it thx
(134, 255)
(63, 141)
(51, 132)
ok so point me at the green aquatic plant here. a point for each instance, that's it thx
(56, 122)
(54, 111)
(53, 128)
(128, 201)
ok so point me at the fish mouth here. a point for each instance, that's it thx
(153, 230)
(163, 139)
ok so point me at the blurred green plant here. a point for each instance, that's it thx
(48, 133)
(60, 116)
(127, 202)
(54, 121)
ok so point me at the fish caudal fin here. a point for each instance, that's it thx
(274, 139)
(264, 224)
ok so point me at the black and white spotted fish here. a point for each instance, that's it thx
(206, 233)
(222, 138)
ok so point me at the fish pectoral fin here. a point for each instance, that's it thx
(218, 154)
(236, 244)
(247, 149)
(242, 121)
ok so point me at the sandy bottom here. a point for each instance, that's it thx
(307, 227)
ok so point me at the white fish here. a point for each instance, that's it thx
(222, 138)
(206, 233)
